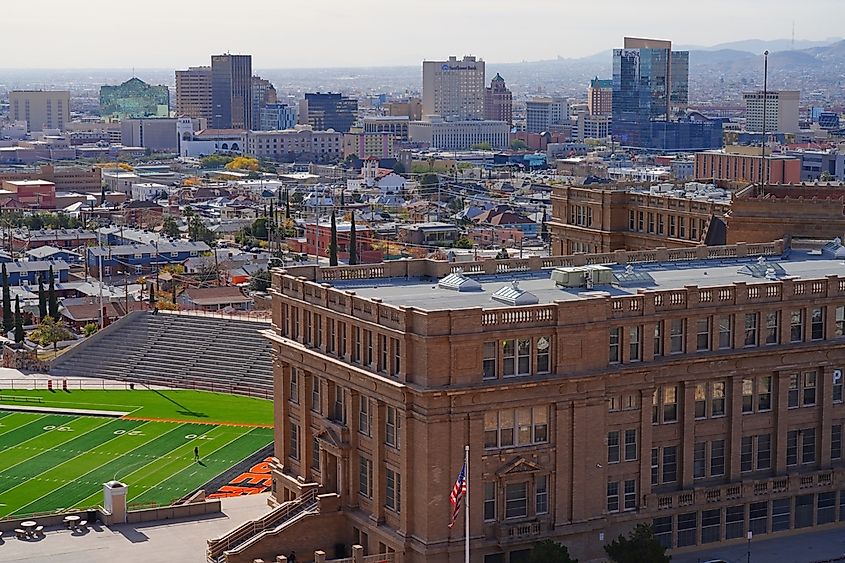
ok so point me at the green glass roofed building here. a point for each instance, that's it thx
(134, 99)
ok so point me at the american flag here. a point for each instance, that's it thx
(458, 492)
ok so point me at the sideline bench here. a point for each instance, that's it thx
(21, 398)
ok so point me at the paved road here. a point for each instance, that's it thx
(811, 547)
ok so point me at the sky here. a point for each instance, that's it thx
(333, 33)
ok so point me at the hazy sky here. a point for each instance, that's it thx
(323, 33)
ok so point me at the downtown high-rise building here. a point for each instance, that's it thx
(498, 101)
(329, 110)
(600, 97)
(780, 110)
(231, 91)
(40, 109)
(454, 89)
(193, 92)
(650, 96)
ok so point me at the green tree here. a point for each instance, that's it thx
(259, 228)
(89, 329)
(18, 321)
(8, 320)
(353, 243)
(639, 546)
(399, 168)
(333, 242)
(42, 298)
(103, 194)
(429, 181)
(287, 205)
(197, 231)
(51, 331)
(502, 254)
(52, 300)
(549, 551)
(260, 280)
(462, 242)
(170, 227)
(519, 145)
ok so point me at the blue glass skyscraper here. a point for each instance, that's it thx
(650, 95)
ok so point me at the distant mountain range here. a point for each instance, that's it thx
(757, 46)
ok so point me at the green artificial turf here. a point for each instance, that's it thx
(52, 462)
(188, 406)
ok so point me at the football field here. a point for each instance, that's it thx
(53, 461)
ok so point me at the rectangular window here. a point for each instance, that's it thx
(670, 464)
(658, 338)
(634, 344)
(392, 425)
(746, 454)
(717, 398)
(701, 400)
(794, 392)
(711, 522)
(699, 460)
(836, 441)
(796, 326)
(356, 344)
(316, 395)
(294, 386)
(670, 403)
(839, 326)
(339, 408)
(817, 323)
(630, 445)
(508, 357)
(315, 454)
(383, 352)
(758, 517)
(792, 447)
(764, 451)
(726, 340)
(489, 502)
(630, 498)
(523, 426)
(772, 327)
(615, 345)
(543, 355)
(837, 382)
(365, 417)
(826, 508)
(781, 514)
(491, 430)
(764, 393)
(365, 477)
(750, 329)
(541, 494)
(397, 356)
(541, 424)
(655, 466)
(687, 526)
(747, 395)
(682, 227)
(671, 225)
(506, 434)
(717, 458)
(368, 347)
(330, 345)
(808, 445)
(735, 522)
(294, 441)
(808, 389)
(309, 327)
(676, 336)
(702, 336)
(613, 496)
(341, 348)
(393, 491)
(516, 500)
(523, 356)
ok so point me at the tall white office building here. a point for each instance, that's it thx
(454, 89)
(781, 111)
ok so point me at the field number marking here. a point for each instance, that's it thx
(128, 433)
(197, 437)
(59, 428)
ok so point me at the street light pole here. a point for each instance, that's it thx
(750, 535)
(765, 104)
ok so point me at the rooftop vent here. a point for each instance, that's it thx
(834, 249)
(513, 295)
(457, 281)
(633, 278)
(582, 276)
(763, 270)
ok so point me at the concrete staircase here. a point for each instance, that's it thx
(177, 350)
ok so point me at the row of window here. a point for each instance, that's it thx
(392, 484)
(733, 522)
(656, 223)
(516, 357)
(362, 346)
(516, 427)
(717, 333)
(517, 497)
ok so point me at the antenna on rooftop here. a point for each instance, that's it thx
(793, 35)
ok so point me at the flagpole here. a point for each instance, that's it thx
(466, 508)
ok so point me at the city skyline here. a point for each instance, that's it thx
(471, 27)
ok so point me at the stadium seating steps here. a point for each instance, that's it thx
(177, 350)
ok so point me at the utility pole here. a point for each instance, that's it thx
(765, 104)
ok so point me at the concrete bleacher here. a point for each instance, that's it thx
(177, 350)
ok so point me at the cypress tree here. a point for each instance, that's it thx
(42, 298)
(152, 297)
(287, 205)
(8, 320)
(52, 301)
(18, 321)
(333, 243)
(353, 247)
(173, 297)
(103, 195)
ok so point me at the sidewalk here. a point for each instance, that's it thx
(809, 547)
(169, 540)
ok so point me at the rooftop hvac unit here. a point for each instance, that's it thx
(582, 276)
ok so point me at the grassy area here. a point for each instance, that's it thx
(56, 461)
(187, 406)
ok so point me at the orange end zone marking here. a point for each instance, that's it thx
(178, 421)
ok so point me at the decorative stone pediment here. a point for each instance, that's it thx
(330, 440)
(518, 465)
